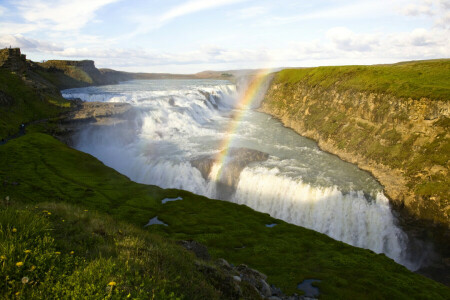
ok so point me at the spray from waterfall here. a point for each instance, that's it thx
(243, 104)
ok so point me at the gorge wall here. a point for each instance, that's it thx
(403, 141)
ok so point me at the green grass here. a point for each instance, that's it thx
(415, 79)
(27, 105)
(36, 169)
(60, 251)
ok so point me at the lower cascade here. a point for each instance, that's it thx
(174, 139)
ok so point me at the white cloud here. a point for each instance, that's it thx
(27, 44)
(438, 10)
(3, 10)
(359, 9)
(251, 12)
(341, 46)
(192, 7)
(418, 9)
(60, 15)
(15, 28)
(146, 23)
(345, 39)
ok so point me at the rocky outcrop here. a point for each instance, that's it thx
(92, 113)
(235, 282)
(236, 160)
(404, 143)
(12, 59)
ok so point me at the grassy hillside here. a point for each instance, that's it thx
(414, 79)
(36, 169)
(21, 103)
(59, 251)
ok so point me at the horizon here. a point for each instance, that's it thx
(188, 37)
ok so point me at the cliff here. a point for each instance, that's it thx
(70, 73)
(25, 95)
(391, 120)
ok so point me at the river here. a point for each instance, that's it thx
(176, 133)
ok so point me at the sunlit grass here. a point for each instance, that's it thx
(430, 79)
(60, 251)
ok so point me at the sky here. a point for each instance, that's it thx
(189, 36)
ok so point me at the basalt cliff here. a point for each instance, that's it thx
(391, 120)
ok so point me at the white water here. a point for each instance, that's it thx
(176, 122)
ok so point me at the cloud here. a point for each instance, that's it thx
(27, 44)
(3, 10)
(344, 39)
(417, 10)
(192, 7)
(438, 10)
(146, 24)
(359, 9)
(340, 46)
(60, 15)
(15, 28)
(251, 12)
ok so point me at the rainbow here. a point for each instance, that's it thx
(243, 105)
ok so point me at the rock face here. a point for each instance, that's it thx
(404, 143)
(235, 282)
(237, 159)
(12, 59)
(83, 71)
(93, 113)
(99, 112)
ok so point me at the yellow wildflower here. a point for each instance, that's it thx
(18, 293)
(49, 213)
(71, 252)
(19, 264)
(33, 268)
(85, 210)
(2, 257)
(14, 230)
(27, 251)
(112, 283)
(63, 220)
(57, 253)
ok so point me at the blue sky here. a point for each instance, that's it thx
(187, 36)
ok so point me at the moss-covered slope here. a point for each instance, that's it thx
(23, 99)
(36, 168)
(392, 120)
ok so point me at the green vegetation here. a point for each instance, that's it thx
(415, 79)
(36, 169)
(59, 251)
(25, 103)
